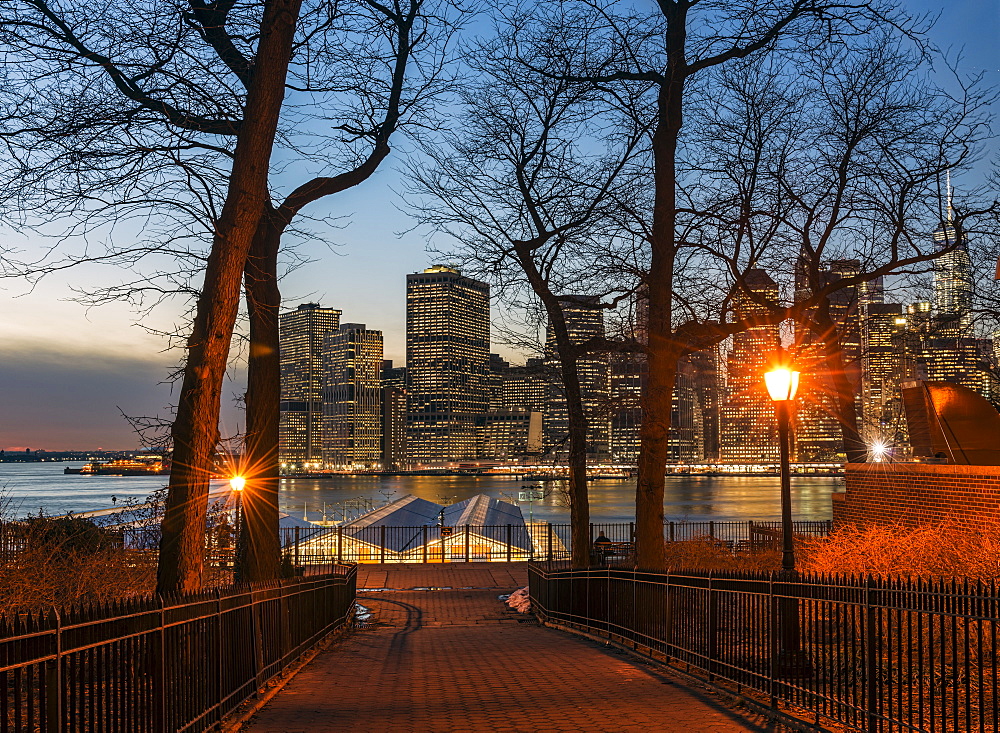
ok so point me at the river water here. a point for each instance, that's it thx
(29, 487)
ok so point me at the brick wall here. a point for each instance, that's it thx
(917, 494)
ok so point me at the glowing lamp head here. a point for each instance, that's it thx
(782, 384)
(237, 483)
(879, 450)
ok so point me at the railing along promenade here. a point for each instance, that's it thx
(878, 655)
(154, 664)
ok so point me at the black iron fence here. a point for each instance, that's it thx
(874, 654)
(317, 544)
(180, 664)
(504, 543)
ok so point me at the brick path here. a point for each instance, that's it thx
(459, 660)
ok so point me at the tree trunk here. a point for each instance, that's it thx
(195, 430)
(261, 549)
(662, 350)
(579, 507)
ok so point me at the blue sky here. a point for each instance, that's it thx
(65, 370)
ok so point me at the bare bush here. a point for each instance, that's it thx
(939, 551)
(704, 553)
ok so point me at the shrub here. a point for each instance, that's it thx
(941, 550)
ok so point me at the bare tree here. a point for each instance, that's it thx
(680, 50)
(168, 103)
(528, 208)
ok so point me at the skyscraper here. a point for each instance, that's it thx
(302, 334)
(352, 398)
(394, 390)
(748, 431)
(818, 430)
(584, 320)
(885, 365)
(447, 358)
(526, 387)
(952, 283)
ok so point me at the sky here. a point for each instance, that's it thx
(67, 371)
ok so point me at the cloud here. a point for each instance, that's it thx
(69, 400)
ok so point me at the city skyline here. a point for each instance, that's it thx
(83, 364)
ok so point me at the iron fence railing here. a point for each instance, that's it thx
(874, 654)
(310, 545)
(180, 664)
(503, 543)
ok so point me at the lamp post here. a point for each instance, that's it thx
(782, 384)
(237, 484)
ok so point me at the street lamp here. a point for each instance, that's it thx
(782, 383)
(237, 484)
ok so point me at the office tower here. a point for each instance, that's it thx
(526, 387)
(302, 334)
(352, 398)
(447, 358)
(584, 320)
(393, 417)
(628, 382)
(885, 364)
(818, 430)
(748, 433)
(709, 388)
(952, 282)
(510, 433)
(498, 368)
(965, 361)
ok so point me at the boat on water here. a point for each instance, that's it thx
(136, 466)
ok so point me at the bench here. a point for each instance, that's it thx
(603, 551)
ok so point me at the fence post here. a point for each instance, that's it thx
(871, 663)
(509, 540)
(631, 531)
(53, 683)
(425, 543)
(381, 542)
(713, 627)
(297, 546)
(671, 531)
(160, 672)
(550, 542)
(711, 529)
(340, 543)
(668, 621)
(467, 543)
(219, 692)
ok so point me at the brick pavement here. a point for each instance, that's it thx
(459, 660)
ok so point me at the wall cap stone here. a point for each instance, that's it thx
(939, 469)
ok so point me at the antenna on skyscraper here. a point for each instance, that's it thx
(950, 213)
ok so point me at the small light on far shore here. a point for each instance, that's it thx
(237, 483)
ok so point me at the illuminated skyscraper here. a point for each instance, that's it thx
(303, 333)
(952, 284)
(447, 358)
(526, 387)
(394, 390)
(818, 431)
(748, 428)
(352, 398)
(884, 366)
(584, 320)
